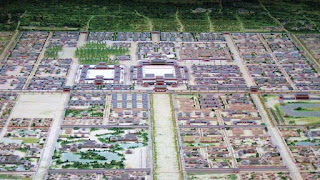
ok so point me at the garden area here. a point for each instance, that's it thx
(52, 52)
(113, 148)
(95, 111)
(93, 53)
(297, 113)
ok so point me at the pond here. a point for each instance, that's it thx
(289, 110)
(130, 145)
(307, 144)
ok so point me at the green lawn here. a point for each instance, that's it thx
(27, 140)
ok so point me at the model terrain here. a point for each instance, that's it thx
(206, 90)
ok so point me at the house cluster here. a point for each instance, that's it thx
(7, 101)
(30, 122)
(51, 74)
(133, 36)
(210, 37)
(303, 143)
(18, 66)
(21, 148)
(118, 36)
(205, 148)
(157, 70)
(150, 50)
(312, 41)
(205, 52)
(85, 109)
(259, 62)
(133, 101)
(176, 37)
(107, 174)
(4, 39)
(252, 131)
(190, 112)
(255, 151)
(310, 175)
(129, 109)
(217, 77)
(294, 62)
(192, 37)
(101, 37)
(266, 175)
(239, 109)
(229, 115)
(64, 39)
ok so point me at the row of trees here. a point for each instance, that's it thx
(93, 53)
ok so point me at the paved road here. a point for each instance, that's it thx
(52, 138)
(285, 154)
(275, 59)
(238, 61)
(39, 59)
(166, 154)
(70, 53)
(9, 45)
(275, 134)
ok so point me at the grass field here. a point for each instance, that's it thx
(27, 140)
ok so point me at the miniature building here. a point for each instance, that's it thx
(302, 95)
(149, 72)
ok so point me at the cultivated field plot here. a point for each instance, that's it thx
(303, 142)
(287, 110)
(4, 39)
(99, 148)
(260, 63)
